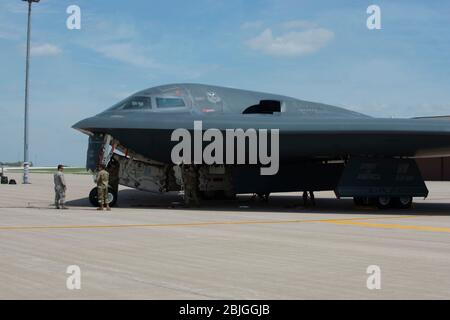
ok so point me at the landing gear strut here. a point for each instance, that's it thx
(264, 196)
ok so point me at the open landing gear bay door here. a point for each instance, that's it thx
(381, 177)
(94, 147)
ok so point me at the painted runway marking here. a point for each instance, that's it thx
(197, 224)
(390, 226)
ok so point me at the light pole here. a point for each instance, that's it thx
(27, 69)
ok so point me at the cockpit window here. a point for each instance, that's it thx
(170, 102)
(137, 103)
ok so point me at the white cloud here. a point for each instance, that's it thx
(8, 31)
(14, 7)
(4, 35)
(297, 38)
(299, 24)
(120, 42)
(129, 45)
(45, 49)
(21, 7)
(292, 43)
(251, 25)
(127, 53)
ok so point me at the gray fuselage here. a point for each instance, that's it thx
(145, 121)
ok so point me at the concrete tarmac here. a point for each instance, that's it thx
(152, 248)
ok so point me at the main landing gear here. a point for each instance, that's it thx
(385, 202)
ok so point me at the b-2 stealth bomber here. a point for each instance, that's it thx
(251, 142)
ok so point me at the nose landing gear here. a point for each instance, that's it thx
(112, 197)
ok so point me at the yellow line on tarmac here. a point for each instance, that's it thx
(390, 226)
(194, 224)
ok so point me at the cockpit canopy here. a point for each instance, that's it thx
(138, 102)
(205, 99)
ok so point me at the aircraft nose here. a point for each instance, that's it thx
(84, 125)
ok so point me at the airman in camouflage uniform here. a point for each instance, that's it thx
(102, 188)
(60, 188)
(190, 181)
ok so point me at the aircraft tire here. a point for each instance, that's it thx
(403, 202)
(112, 197)
(383, 202)
(358, 201)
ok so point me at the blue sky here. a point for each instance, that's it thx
(313, 50)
